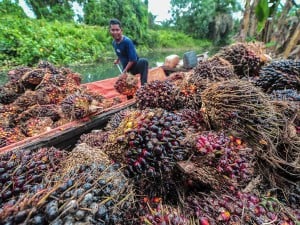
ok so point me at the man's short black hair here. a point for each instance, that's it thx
(115, 22)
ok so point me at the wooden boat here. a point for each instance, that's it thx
(67, 135)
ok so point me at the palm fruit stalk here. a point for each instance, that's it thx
(279, 75)
(241, 107)
(90, 191)
(127, 84)
(240, 208)
(157, 94)
(246, 58)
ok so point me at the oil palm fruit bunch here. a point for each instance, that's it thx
(239, 208)
(22, 173)
(246, 58)
(56, 79)
(36, 125)
(8, 95)
(240, 106)
(76, 106)
(33, 78)
(30, 98)
(155, 144)
(16, 74)
(157, 94)
(10, 135)
(51, 111)
(50, 94)
(212, 70)
(279, 75)
(93, 191)
(228, 155)
(127, 84)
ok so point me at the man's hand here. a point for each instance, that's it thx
(116, 61)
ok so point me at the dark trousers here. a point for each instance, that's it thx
(141, 67)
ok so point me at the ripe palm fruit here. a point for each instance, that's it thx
(126, 84)
(33, 78)
(246, 59)
(157, 94)
(279, 75)
(76, 106)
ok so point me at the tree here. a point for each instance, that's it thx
(132, 13)
(204, 19)
(52, 9)
(272, 22)
(12, 8)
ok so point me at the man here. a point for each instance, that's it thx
(126, 52)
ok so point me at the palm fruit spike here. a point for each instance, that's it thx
(126, 84)
(76, 106)
(279, 75)
(45, 65)
(157, 94)
(246, 59)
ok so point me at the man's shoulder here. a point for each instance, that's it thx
(126, 39)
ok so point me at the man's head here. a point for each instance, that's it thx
(115, 29)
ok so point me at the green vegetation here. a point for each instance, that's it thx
(26, 41)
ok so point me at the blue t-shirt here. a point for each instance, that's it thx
(125, 51)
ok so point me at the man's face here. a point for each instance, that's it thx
(116, 32)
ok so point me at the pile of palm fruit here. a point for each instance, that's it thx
(217, 145)
(38, 99)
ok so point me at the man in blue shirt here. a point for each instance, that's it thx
(126, 52)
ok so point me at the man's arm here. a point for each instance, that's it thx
(128, 66)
